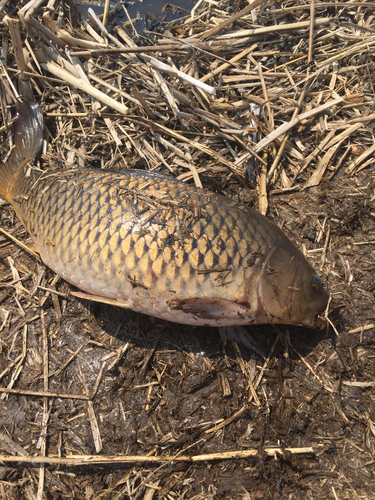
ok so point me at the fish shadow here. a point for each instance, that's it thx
(147, 332)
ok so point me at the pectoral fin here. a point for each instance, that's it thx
(241, 335)
(209, 308)
(103, 300)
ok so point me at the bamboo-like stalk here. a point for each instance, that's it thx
(232, 19)
(231, 61)
(358, 48)
(105, 14)
(285, 127)
(24, 82)
(19, 243)
(369, 152)
(61, 395)
(274, 29)
(104, 459)
(82, 85)
(169, 69)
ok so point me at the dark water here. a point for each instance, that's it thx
(153, 13)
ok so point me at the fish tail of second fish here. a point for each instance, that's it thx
(27, 142)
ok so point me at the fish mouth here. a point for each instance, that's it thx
(318, 323)
(321, 323)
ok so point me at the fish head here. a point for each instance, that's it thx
(289, 290)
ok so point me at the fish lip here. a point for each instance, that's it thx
(320, 323)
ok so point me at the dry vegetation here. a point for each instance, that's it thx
(271, 104)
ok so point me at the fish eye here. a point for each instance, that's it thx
(316, 283)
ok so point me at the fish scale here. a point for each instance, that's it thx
(157, 245)
(98, 241)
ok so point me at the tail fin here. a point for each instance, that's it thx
(28, 139)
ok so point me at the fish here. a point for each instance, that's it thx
(159, 246)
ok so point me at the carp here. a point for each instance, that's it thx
(157, 245)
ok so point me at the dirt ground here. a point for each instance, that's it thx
(165, 389)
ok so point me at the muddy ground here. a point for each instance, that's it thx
(164, 392)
